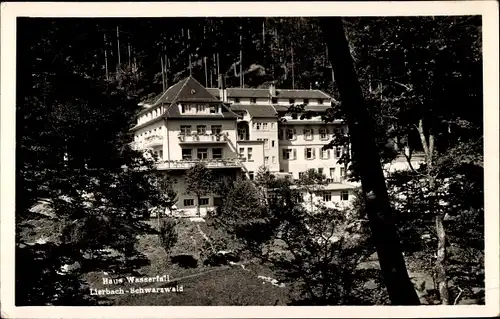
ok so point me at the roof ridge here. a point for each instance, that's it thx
(178, 92)
(162, 95)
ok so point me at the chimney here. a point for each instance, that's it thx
(272, 90)
(222, 88)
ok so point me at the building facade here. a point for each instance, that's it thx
(235, 131)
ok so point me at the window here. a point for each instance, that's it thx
(272, 125)
(236, 100)
(280, 134)
(301, 174)
(160, 154)
(294, 116)
(289, 154)
(325, 154)
(266, 160)
(249, 154)
(290, 134)
(274, 159)
(342, 172)
(306, 101)
(323, 133)
(332, 172)
(327, 196)
(258, 126)
(308, 134)
(274, 100)
(266, 143)
(188, 202)
(309, 153)
(251, 175)
(216, 129)
(344, 195)
(320, 101)
(201, 108)
(272, 143)
(242, 133)
(187, 154)
(204, 201)
(338, 152)
(264, 126)
(202, 153)
(291, 101)
(217, 153)
(242, 152)
(253, 100)
(320, 170)
(338, 130)
(213, 109)
(183, 108)
(201, 129)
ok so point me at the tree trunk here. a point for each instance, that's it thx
(198, 206)
(440, 231)
(399, 286)
(440, 261)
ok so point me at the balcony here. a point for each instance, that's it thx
(152, 141)
(212, 163)
(203, 138)
(335, 179)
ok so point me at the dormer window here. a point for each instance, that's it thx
(253, 100)
(294, 116)
(274, 100)
(291, 101)
(213, 109)
(320, 101)
(306, 101)
(236, 100)
(201, 108)
(183, 108)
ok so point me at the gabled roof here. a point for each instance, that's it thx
(257, 111)
(187, 90)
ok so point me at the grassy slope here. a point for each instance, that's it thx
(216, 286)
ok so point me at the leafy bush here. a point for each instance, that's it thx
(168, 234)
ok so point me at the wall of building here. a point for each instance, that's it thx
(336, 200)
(257, 160)
(324, 161)
(267, 129)
(174, 129)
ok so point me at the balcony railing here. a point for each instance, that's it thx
(203, 138)
(211, 163)
(331, 180)
(154, 140)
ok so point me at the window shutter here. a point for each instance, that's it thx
(294, 154)
(327, 154)
(305, 153)
(312, 133)
(294, 134)
(314, 153)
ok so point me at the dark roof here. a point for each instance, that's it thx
(280, 93)
(185, 90)
(264, 93)
(316, 108)
(261, 111)
(214, 91)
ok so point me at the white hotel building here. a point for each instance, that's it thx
(234, 131)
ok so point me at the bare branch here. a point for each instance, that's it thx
(459, 295)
